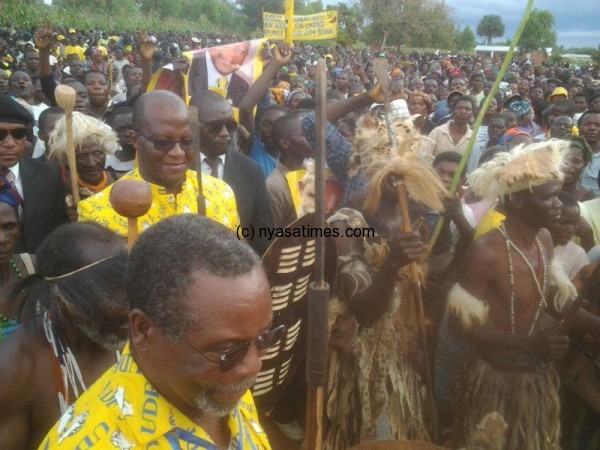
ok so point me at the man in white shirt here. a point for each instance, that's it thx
(216, 67)
(39, 184)
(221, 159)
(454, 135)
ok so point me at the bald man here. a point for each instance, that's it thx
(222, 160)
(162, 138)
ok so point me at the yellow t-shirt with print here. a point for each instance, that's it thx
(122, 410)
(220, 204)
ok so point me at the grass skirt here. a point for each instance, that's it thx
(528, 402)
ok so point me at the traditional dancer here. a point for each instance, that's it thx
(507, 288)
(377, 366)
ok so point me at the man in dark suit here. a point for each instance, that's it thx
(221, 159)
(216, 67)
(38, 183)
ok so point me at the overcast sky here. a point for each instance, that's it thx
(576, 21)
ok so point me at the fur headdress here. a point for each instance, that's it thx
(372, 153)
(524, 167)
(86, 130)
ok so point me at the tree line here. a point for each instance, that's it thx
(410, 23)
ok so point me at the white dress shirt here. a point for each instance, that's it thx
(17, 181)
(213, 74)
(207, 170)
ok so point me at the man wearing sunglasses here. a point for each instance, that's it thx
(38, 183)
(221, 159)
(162, 138)
(200, 320)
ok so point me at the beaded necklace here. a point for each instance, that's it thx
(541, 289)
(95, 188)
(66, 370)
(8, 326)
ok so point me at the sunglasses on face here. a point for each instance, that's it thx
(19, 133)
(216, 126)
(230, 358)
(166, 145)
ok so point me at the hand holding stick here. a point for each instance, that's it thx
(131, 199)
(65, 99)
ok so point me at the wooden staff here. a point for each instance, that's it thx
(65, 99)
(486, 105)
(131, 199)
(195, 126)
(381, 67)
(318, 291)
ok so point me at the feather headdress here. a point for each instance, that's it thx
(372, 153)
(524, 167)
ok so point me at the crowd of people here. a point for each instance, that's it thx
(160, 345)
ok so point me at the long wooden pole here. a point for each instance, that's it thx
(318, 292)
(486, 104)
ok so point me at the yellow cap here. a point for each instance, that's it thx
(60, 37)
(559, 91)
(72, 30)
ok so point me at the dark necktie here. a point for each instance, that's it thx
(213, 163)
(10, 178)
(7, 175)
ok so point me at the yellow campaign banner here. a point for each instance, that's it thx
(306, 28)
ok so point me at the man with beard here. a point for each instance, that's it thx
(217, 67)
(49, 362)
(200, 320)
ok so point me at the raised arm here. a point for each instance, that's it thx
(281, 56)
(147, 49)
(43, 42)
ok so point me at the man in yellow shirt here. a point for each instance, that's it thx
(200, 320)
(162, 138)
(74, 49)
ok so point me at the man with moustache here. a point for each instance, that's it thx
(216, 68)
(80, 287)
(200, 320)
